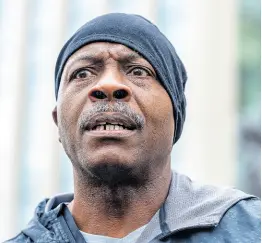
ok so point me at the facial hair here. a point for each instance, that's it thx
(114, 184)
(104, 106)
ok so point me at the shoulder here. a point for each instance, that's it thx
(246, 213)
(230, 214)
(20, 238)
(207, 202)
(242, 221)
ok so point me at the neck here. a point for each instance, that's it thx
(117, 211)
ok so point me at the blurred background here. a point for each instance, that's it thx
(219, 43)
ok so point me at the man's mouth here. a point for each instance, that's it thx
(110, 123)
(104, 126)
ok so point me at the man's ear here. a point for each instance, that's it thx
(54, 114)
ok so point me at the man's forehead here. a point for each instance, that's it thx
(101, 50)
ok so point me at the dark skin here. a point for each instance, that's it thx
(106, 203)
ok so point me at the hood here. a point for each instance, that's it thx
(189, 205)
(45, 223)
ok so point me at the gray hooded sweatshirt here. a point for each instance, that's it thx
(191, 213)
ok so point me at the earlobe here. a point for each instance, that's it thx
(54, 114)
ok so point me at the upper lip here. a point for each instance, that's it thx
(113, 118)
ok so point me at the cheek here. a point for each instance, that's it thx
(69, 109)
(162, 115)
(159, 111)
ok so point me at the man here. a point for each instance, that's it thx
(120, 108)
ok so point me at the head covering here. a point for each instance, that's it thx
(141, 35)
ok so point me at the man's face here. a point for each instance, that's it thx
(112, 110)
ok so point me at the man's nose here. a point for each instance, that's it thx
(110, 88)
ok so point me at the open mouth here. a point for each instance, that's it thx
(110, 122)
(105, 126)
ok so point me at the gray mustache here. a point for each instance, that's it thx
(103, 106)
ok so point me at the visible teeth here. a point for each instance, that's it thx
(109, 127)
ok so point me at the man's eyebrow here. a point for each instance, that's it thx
(90, 58)
(99, 60)
(129, 57)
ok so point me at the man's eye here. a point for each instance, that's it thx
(139, 72)
(81, 74)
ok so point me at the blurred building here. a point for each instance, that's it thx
(219, 43)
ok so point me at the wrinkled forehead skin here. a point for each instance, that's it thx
(142, 36)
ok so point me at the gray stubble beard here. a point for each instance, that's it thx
(115, 186)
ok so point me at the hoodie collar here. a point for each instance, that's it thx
(189, 205)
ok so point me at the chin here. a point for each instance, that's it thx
(113, 169)
(110, 154)
(115, 175)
